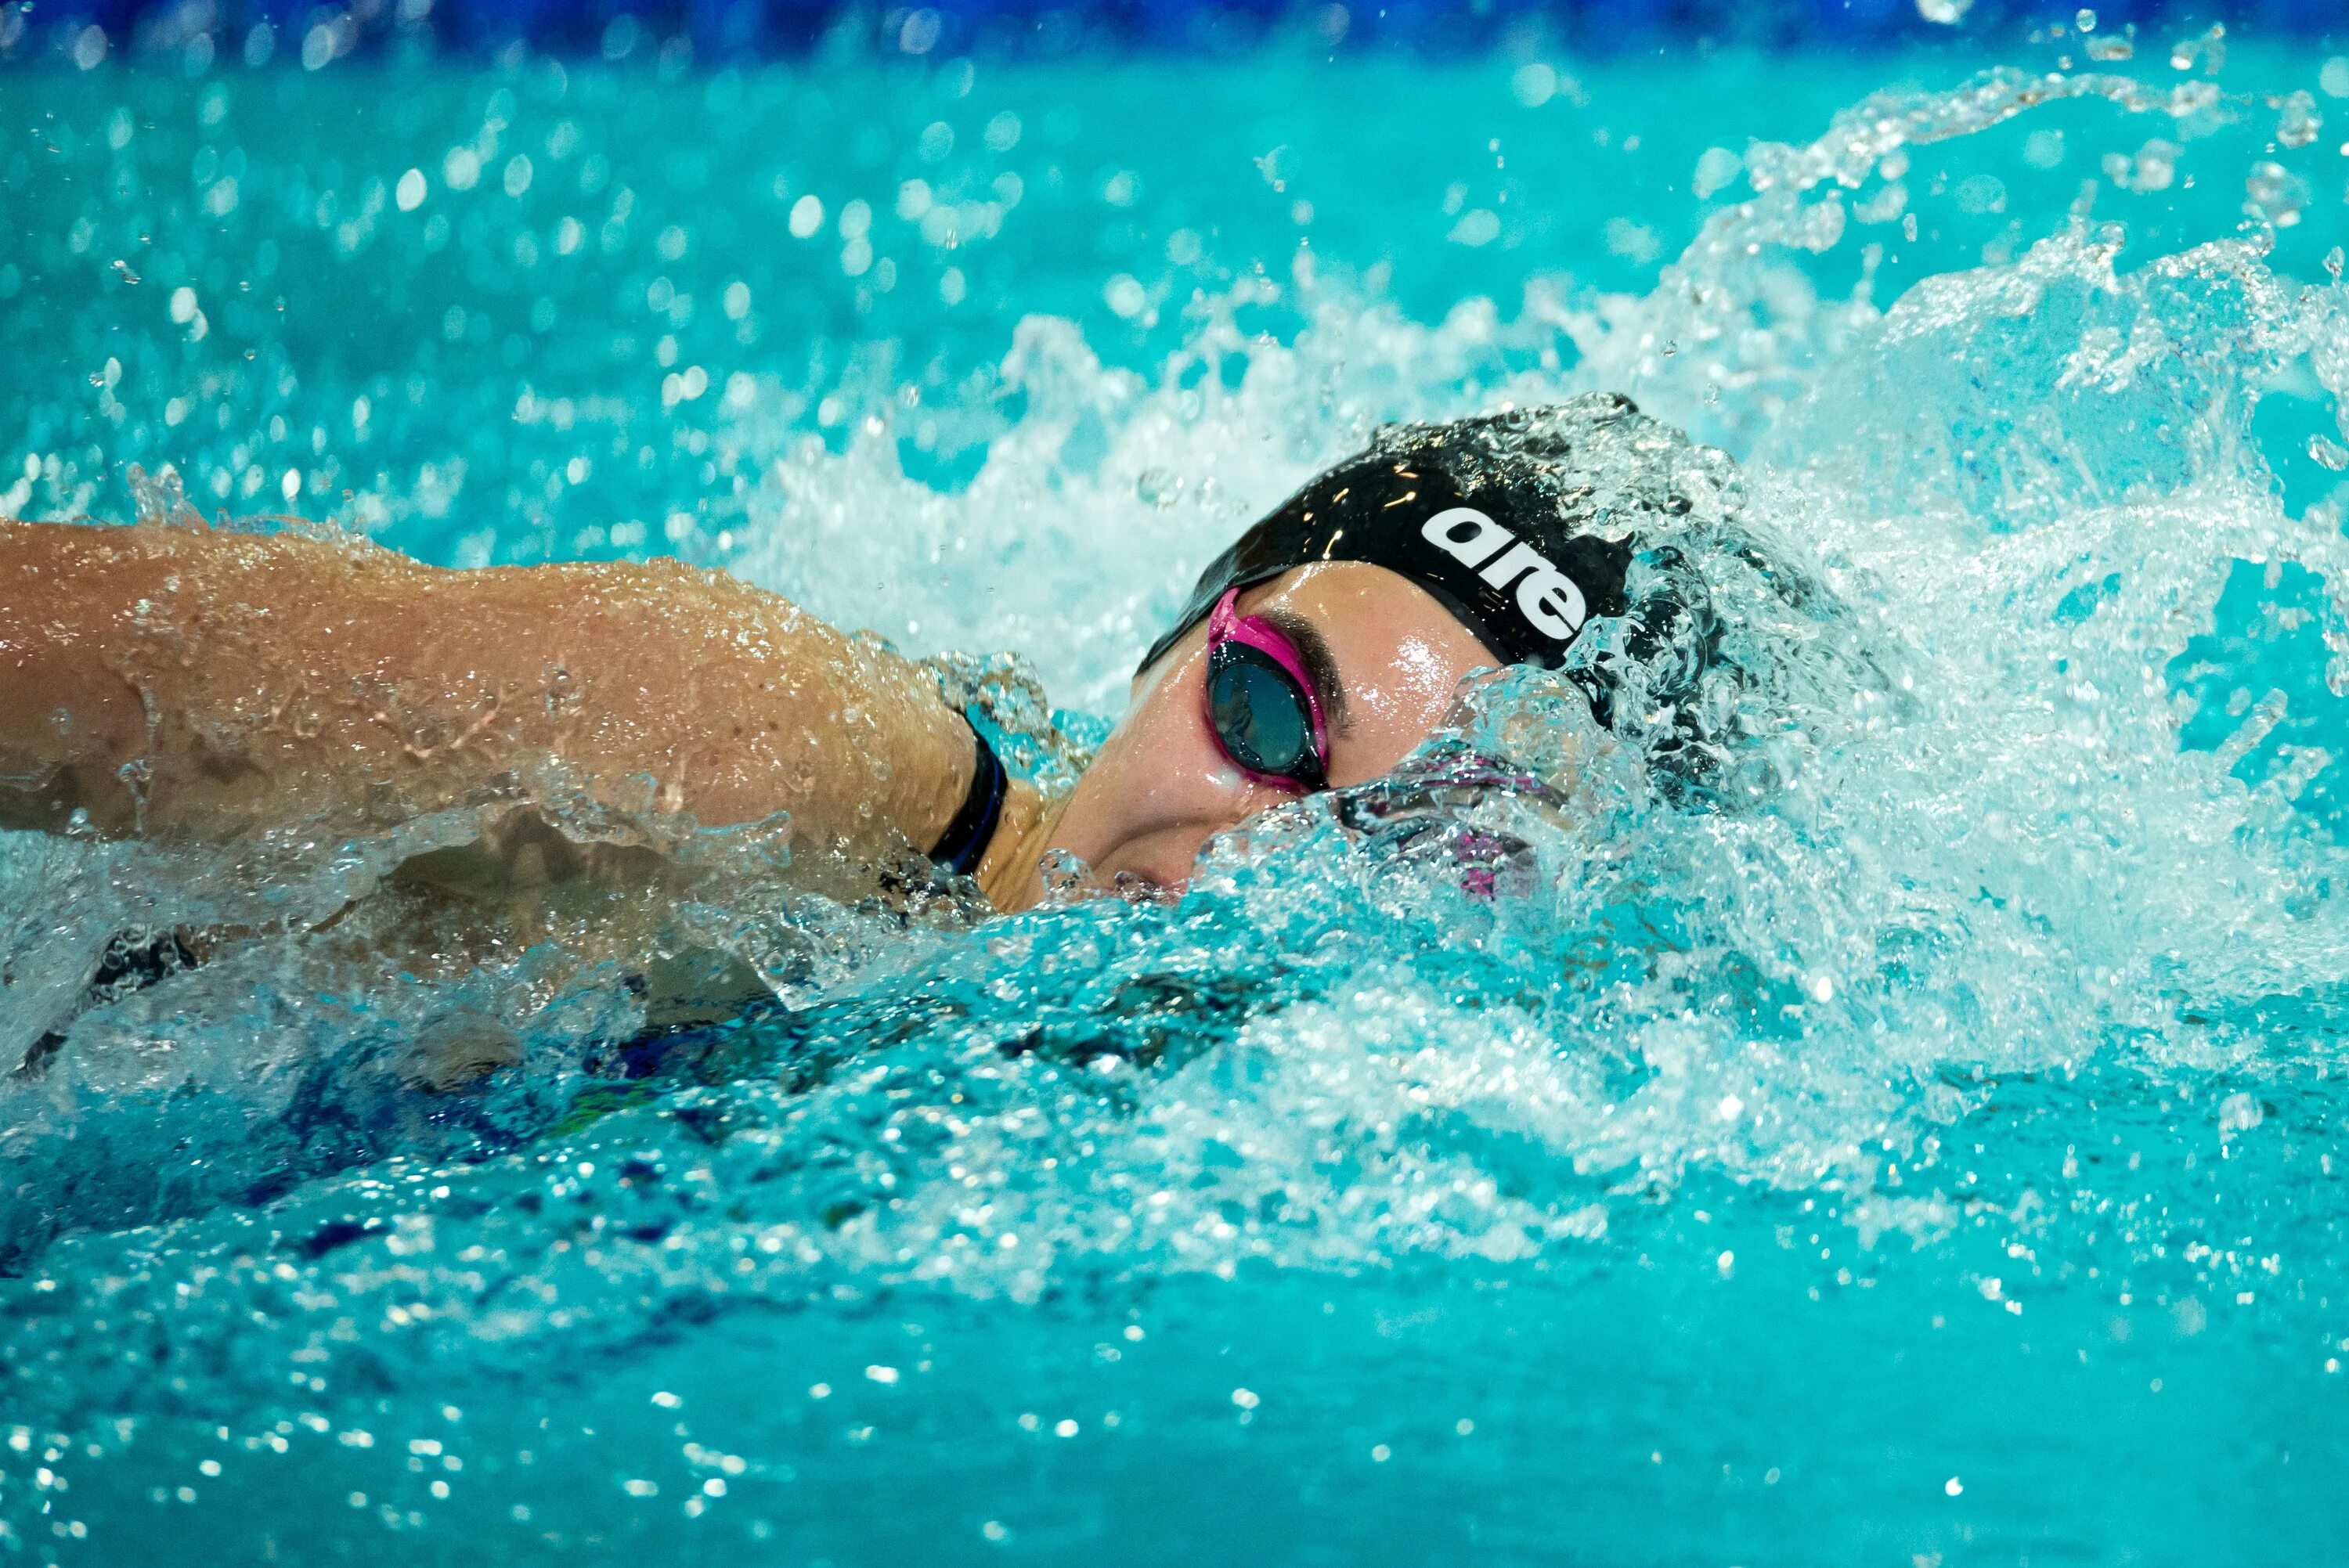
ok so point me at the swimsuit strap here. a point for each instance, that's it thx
(964, 843)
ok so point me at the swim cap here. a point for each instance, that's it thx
(1582, 536)
(1510, 521)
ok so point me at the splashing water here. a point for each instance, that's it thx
(1978, 1046)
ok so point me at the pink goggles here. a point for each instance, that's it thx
(1260, 702)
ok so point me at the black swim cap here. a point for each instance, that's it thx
(1583, 537)
(1517, 523)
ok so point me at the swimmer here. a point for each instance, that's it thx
(184, 683)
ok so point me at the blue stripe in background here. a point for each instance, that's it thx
(758, 27)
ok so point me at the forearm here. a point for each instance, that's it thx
(189, 683)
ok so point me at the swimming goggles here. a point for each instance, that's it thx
(1260, 701)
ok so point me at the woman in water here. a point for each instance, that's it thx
(189, 684)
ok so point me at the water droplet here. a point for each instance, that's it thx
(2298, 120)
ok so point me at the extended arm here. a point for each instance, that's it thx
(191, 683)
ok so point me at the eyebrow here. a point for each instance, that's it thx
(1321, 665)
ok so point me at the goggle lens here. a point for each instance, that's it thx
(1261, 717)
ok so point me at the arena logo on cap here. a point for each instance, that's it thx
(1546, 597)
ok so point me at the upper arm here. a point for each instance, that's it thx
(196, 681)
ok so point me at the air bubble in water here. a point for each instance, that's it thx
(159, 498)
(2276, 194)
(2210, 48)
(2240, 1112)
(2155, 167)
(1946, 12)
(1716, 169)
(2297, 120)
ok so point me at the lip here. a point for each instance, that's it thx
(1140, 887)
(1115, 873)
(1137, 869)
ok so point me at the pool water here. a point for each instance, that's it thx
(1938, 1160)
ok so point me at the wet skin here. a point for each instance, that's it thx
(244, 680)
(1162, 787)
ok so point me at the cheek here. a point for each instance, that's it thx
(1093, 820)
(1162, 742)
(1159, 789)
(1160, 766)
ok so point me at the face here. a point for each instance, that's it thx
(1387, 657)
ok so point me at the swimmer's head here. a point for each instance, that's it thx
(1327, 643)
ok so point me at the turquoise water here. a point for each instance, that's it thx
(1936, 1161)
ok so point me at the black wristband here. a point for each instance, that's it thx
(964, 843)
